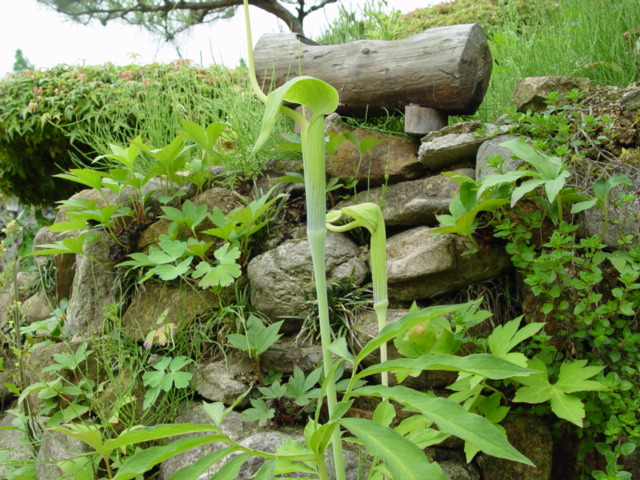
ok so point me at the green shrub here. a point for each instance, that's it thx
(55, 119)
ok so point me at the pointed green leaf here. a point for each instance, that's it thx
(573, 377)
(77, 468)
(384, 413)
(498, 179)
(548, 167)
(537, 388)
(85, 433)
(524, 188)
(507, 336)
(266, 471)
(68, 245)
(451, 418)
(401, 456)
(157, 432)
(193, 472)
(483, 364)
(568, 407)
(582, 206)
(76, 222)
(552, 187)
(85, 176)
(143, 460)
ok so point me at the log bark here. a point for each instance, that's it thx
(446, 68)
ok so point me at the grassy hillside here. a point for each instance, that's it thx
(587, 38)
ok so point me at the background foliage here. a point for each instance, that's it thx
(56, 119)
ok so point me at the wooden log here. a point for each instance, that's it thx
(445, 68)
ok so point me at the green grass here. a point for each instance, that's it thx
(584, 38)
(154, 109)
(580, 38)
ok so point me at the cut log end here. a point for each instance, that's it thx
(418, 121)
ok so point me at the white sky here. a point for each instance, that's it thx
(47, 38)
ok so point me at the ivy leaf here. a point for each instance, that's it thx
(171, 272)
(198, 248)
(227, 255)
(216, 276)
(177, 379)
(224, 273)
(571, 378)
(172, 250)
(178, 363)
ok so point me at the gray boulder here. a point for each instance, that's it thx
(452, 460)
(44, 235)
(91, 293)
(55, 447)
(43, 356)
(177, 304)
(531, 93)
(455, 146)
(631, 100)
(490, 148)
(226, 379)
(232, 426)
(15, 451)
(411, 203)
(459, 470)
(286, 354)
(623, 218)
(395, 158)
(531, 436)
(279, 278)
(6, 302)
(247, 434)
(421, 264)
(37, 307)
